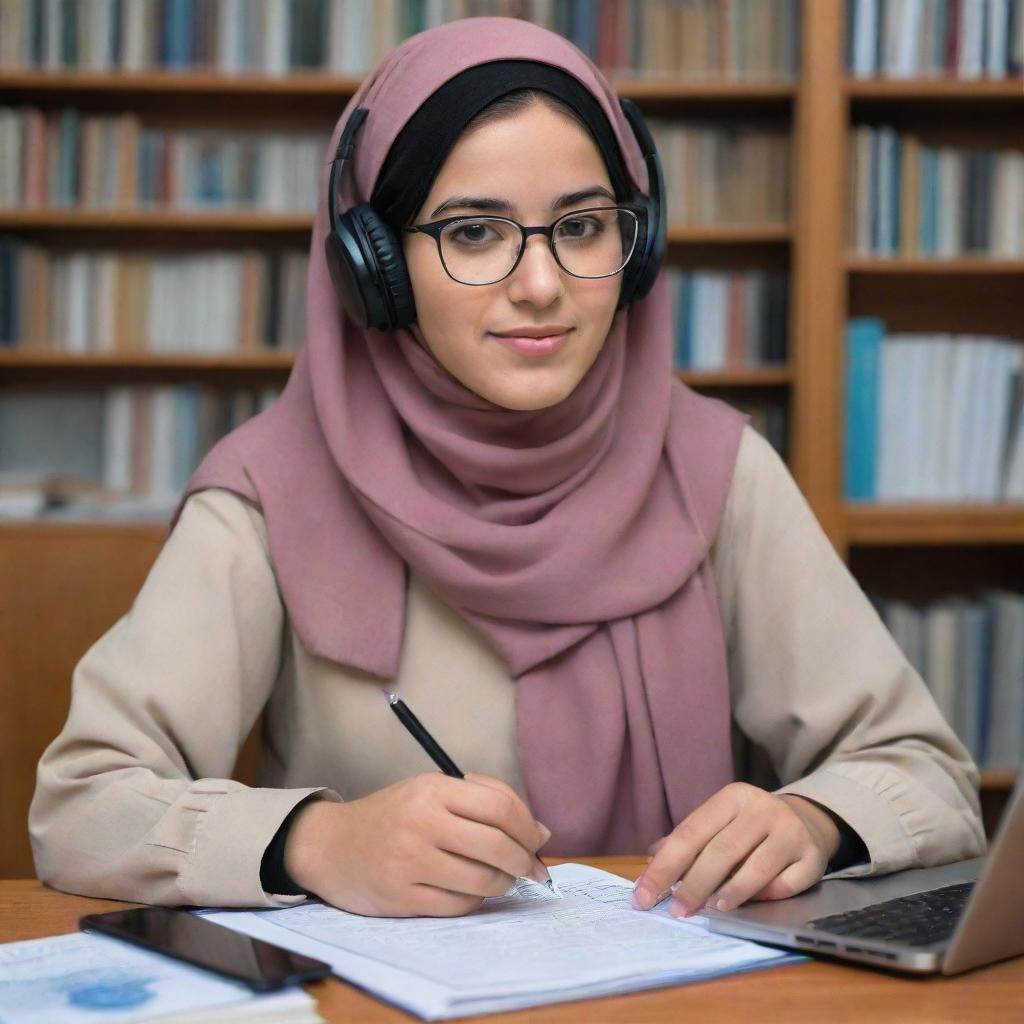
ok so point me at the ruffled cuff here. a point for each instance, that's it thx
(868, 811)
(223, 831)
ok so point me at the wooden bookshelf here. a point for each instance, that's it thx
(30, 361)
(35, 359)
(827, 284)
(959, 524)
(309, 85)
(747, 377)
(933, 266)
(286, 223)
(155, 221)
(998, 780)
(930, 90)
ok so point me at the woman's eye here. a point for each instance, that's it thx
(473, 234)
(580, 227)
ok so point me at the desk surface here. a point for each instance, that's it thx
(816, 991)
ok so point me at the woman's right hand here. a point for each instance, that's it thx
(429, 845)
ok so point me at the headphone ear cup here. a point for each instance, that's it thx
(655, 243)
(396, 303)
(637, 270)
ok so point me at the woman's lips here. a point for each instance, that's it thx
(533, 346)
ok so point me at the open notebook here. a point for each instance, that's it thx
(525, 948)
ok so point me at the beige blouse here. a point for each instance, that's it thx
(133, 801)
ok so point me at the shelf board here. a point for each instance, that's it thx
(743, 377)
(42, 529)
(50, 359)
(729, 234)
(753, 376)
(155, 220)
(31, 528)
(924, 266)
(926, 89)
(712, 89)
(316, 84)
(934, 524)
(125, 83)
(259, 221)
(998, 780)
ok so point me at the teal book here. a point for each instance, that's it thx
(684, 353)
(864, 337)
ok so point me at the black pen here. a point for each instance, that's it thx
(440, 758)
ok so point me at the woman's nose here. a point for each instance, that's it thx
(538, 278)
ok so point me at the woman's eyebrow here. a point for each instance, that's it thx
(494, 205)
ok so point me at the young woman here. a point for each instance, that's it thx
(483, 488)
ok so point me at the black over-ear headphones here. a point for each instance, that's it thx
(368, 268)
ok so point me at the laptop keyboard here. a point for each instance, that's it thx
(917, 920)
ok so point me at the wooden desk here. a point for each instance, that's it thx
(812, 992)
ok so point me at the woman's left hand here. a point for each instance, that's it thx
(743, 843)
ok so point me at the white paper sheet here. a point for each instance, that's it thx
(522, 949)
(69, 979)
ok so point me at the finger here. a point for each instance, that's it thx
(681, 847)
(463, 875)
(796, 878)
(487, 844)
(433, 901)
(765, 864)
(491, 802)
(724, 853)
(504, 787)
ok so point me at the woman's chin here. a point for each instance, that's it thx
(531, 396)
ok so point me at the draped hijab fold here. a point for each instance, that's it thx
(575, 539)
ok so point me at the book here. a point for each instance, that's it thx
(863, 363)
(931, 417)
(1004, 720)
(527, 948)
(969, 649)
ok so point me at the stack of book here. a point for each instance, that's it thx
(750, 39)
(915, 200)
(204, 302)
(933, 417)
(114, 161)
(724, 172)
(918, 38)
(726, 320)
(970, 652)
(122, 452)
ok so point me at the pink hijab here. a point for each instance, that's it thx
(574, 539)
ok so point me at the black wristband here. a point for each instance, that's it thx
(273, 876)
(851, 847)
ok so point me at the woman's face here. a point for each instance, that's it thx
(526, 160)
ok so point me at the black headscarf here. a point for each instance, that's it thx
(423, 144)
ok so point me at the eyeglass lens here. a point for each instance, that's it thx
(590, 243)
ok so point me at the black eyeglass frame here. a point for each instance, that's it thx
(434, 229)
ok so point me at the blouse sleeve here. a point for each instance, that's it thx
(819, 685)
(132, 799)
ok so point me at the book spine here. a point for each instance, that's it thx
(864, 348)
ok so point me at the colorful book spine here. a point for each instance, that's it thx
(863, 365)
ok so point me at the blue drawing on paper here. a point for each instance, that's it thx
(111, 995)
(105, 989)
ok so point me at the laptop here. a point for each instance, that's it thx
(940, 920)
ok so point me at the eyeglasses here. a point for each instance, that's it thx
(589, 243)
